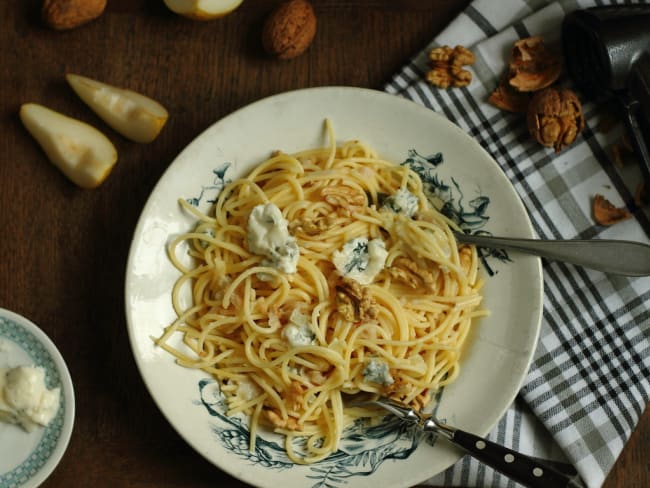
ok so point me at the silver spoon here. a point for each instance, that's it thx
(610, 256)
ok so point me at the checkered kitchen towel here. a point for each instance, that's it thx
(590, 378)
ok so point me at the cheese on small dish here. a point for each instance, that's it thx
(25, 399)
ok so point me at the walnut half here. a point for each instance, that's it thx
(408, 272)
(447, 66)
(343, 196)
(354, 301)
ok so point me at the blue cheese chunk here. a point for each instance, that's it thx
(298, 331)
(268, 236)
(376, 371)
(248, 389)
(403, 202)
(360, 259)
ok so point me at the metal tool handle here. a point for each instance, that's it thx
(521, 468)
(611, 256)
(634, 120)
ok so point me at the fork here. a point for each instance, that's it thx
(524, 469)
(627, 258)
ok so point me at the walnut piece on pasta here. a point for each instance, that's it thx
(407, 271)
(354, 301)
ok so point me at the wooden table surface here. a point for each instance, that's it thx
(63, 250)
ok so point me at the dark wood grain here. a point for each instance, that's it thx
(63, 250)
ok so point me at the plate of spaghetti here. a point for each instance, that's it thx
(300, 252)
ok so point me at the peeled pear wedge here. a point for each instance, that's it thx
(133, 115)
(202, 9)
(80, 151)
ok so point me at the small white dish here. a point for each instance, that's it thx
(28, 458)
(465, 177)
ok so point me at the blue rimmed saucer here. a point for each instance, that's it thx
(28, 458)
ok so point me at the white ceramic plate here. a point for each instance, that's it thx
(476, 191)
(27, 459)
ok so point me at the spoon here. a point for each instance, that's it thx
(610, 256)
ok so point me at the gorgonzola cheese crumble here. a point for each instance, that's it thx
(402, 202)
(360, 259)
(298, 332)
(376, 371)
(268, 235)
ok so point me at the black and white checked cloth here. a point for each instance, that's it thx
(590, 378)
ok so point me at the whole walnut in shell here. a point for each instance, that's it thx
(289, 29)
(555, 117)
(68, 14)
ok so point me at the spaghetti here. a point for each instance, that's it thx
(361, 287)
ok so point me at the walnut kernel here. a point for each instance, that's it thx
(343, 196)
(276, 420)
(312, 227)
(447, 66)
(408, 272)
(354, 301)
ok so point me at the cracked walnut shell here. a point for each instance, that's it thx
(606, 213)
(532, 65)
(447, 66)
(555, 117)
(507, 98)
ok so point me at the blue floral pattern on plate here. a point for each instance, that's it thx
(363, 447)
(449, 199)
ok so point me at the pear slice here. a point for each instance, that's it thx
(80, 151)
(202, 9)
(133, 115)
